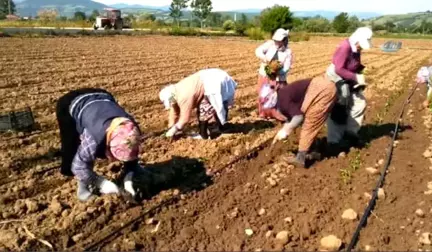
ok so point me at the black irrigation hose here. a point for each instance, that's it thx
(372, 202)
(98, 244)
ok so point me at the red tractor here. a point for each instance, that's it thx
(110, 19)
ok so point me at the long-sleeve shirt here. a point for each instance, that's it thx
(347, 61)
(82, 164)
(215, 84)
(269, 51)
(291, 97)
(188, 93)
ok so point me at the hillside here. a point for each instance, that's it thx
(405, 20)
(64, 7)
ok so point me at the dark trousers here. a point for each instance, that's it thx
(69, 136)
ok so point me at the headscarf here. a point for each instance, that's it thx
(280, 34)
(166, 95)
(123, 140)
(363, 36)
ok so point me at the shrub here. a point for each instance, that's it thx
(255, 33)
(228, 25)
(240, 29)
(178, 31)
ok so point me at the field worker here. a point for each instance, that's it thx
(306, 102)
(210, 91)
(346, 71)
(273, 50)
(92, 125)
(424, 76)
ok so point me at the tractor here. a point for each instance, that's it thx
(110, 19)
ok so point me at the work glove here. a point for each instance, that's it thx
(172, 131)
(361, 79)
(344, 95)
(281, 135)
(128, 184)
(107, 187)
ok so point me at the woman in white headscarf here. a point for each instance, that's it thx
(424, 76)
(346, 71)
(275, 50)
(210, 91)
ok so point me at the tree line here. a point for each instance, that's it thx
(268, 20)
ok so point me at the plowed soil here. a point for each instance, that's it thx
(201, 199)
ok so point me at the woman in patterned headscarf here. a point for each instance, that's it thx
(93, 125)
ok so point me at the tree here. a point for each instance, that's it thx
(79, 15)
(244, 19)
(176, 9)
(276, 17)
(201, 9)
(298, 23)
(215, 19)
(317, 24)
(341, 23)
(6, 9)
(94, 15)
(389, 25)
(354, 23)
(47, 15)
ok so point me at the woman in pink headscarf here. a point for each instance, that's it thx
(93, 125)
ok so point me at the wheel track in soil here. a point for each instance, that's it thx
(55, 177)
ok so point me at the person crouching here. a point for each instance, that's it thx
(93, 125)
(210, 91)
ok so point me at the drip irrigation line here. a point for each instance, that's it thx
(372, 201)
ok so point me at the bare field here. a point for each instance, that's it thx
(35, 72)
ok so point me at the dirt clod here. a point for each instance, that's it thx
(381, 194)
(56, 207)
(420, 213)
(249, 232)
(349, 214)
(32, 206)
(331, 243)
(372, 171)
(425, 239)
(282, 237)
(427, 154)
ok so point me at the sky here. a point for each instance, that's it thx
(379, 6)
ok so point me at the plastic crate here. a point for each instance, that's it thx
(391, 46)
(21, 120)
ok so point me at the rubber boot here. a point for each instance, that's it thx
(203, 127)
(83, 191)
(299, 160)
